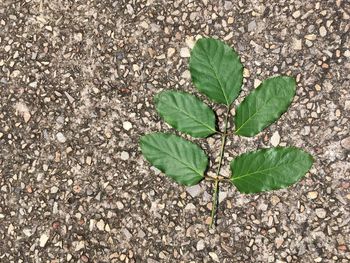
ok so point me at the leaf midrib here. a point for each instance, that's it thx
(180, 161)
(216, 75)
(261, 171)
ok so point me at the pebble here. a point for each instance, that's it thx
(278, 242)
(190, 206)
(194, 190)
(120, 205)
(144, 25)
(127, 125)
(323, 31)
(60, 137)
(296, 14)
(124, 156)
(171, 52)
(200, 245)
(100, 225)
(312, 195)
(345, 143)
(275, 200)
(297, 44)
(252, 26)
(275, 139)
(184, 52)
(88, 160)
(43, 240)
(214, 256)
(321, 213)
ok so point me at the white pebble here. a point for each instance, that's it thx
(275, 139)
(200, 245)
(120, 205)
(214, 256)
(127, 125)
(323, 31)
(320, 212)
(100, 225)
(60, 137)
(43, 239)
(124, 155)
(184, 52)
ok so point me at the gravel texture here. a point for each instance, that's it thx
(77, 80)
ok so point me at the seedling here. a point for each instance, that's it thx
(217, 72)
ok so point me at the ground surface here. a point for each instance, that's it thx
(77, 80)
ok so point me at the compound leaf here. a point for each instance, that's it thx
(181, 160)
(269, 169)
(216, 70)
(264, 105)
(186, 113)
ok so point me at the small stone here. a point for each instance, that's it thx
(54, 189)
(323, 31)
(311, 37)
(43, 240)
(296, 14)
(252, 26)
(69, 97)
(144, 25)
(214, 256)
(79, 245)
(312, 195)
(124, 156)
(275, 200)
(84, 258)
(297, 44)
(190, 206)
(317, 87)
(100, 225)
(257, 82)
(27, 232)
(23, 110)
(33, 84)
(127, 125)
(155, 170)
(171, 52)
(120, 205)
(184, 52)
(347, 53)
(246, 73)
(321, 213)
(345, 143)
(230, 20)
(88, 160)
(78, 37)
(194, 190)
(200, 245)
(275, 139)
(60, 137)
(278, 242)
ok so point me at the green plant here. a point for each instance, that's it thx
(217, 72)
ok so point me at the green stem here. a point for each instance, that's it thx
(216, 186)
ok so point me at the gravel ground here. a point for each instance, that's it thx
(77, 80)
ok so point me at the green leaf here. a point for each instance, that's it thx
(269, 169)
(216, 70)
(185, 113)
(183, 161)
(264, 105)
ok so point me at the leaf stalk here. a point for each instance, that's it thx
(217, 177)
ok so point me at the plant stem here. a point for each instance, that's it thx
(216, 186)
